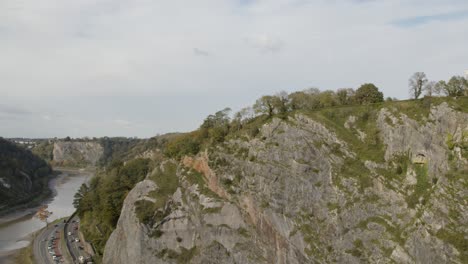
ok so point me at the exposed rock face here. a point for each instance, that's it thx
(427, 140)
(128, 240)
(77, 153)
(300, 193)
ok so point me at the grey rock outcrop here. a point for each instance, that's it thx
(77, 153)
(300, 193)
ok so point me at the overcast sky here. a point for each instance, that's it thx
(142, 67)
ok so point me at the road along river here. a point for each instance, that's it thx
(16, 234)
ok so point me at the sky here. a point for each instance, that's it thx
(146, 67)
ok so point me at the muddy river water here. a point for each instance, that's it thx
(15, 234)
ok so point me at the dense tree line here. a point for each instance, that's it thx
(218, 126)
(455, 86)
(24, 176)
(100, 202)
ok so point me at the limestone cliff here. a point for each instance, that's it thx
(336, 186)
(67, 153)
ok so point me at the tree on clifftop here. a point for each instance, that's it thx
(368, 93)
(416, 84)
(265, 105)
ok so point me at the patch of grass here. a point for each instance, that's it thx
(264, 204)
(333, 206)
(457, 239)
(181, 258)
(156, 233)
(357, 250)
(394, 230)
(335, 118)
(417, 110)
(149, 212)
(311, 238)
(459, 103)
(458, 176)
(145, 210)
(212, 210)
(422, 187)
(194, 177)
(356, 169)
(243, 232)
(25, 255)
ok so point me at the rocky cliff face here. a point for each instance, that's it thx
(76, 153)
(387, 189)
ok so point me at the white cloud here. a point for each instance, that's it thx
(200, 52)
(122, 122)
(265, 43)
(152, 49)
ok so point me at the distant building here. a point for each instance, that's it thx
(466, 74)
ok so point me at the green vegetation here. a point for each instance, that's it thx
(356, 169)
(44, 149)
(181, 258)
(213, 130)
(369, 148)
(185, 144)
(212, 210)
(18, 168)
(457, 239)
(166, 179)
(393, 229)
(243, 232)
(120, 149)
(25, 255)
(310, 237)
(462, 143)
(99, 204)
(216, 128)
(333, 206)
(456, 86)
(368, 94)
(422, 187)
(358, 248)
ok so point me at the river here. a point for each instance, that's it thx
(16, 234)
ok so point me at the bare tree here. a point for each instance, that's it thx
(430, 88)
(439, 87)
(416, 84)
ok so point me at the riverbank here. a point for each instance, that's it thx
(22, 255)
(16, 227)
(30, 205)
(30, 208)
(20, 212)
(8, 257)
